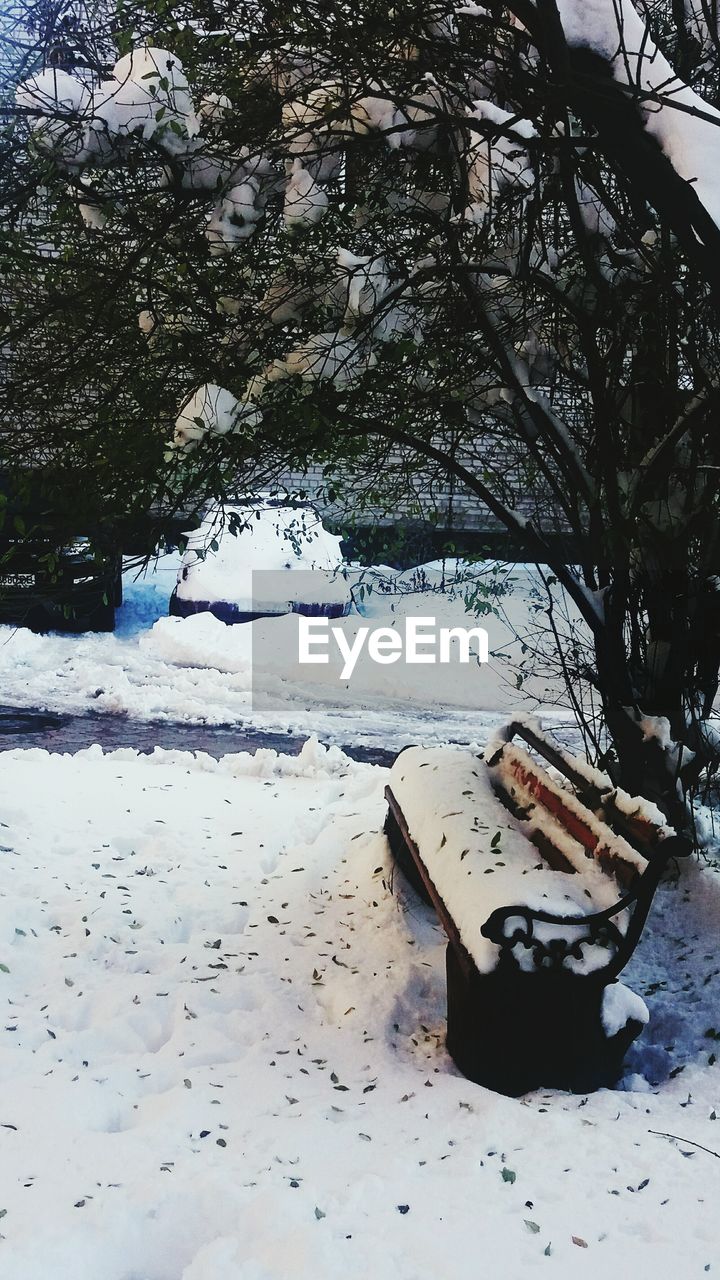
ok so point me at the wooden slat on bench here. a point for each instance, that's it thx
(453, 933)
(511, 765)
(640, 830)
(530, 778)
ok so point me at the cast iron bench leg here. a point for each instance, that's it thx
(513, 1032)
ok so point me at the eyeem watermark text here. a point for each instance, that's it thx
(422, 642)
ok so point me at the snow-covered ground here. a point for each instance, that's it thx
(199, 670)
(222, 1050)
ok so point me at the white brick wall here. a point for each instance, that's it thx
(447, 504)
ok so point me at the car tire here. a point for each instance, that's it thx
(37, 620)
(102, 618)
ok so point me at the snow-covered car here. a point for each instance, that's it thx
(262, 560)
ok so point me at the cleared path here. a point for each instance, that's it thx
(20, 727)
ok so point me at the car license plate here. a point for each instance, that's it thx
(17, 580)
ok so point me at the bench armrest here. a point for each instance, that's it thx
(599, 927)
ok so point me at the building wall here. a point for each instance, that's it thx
(435, 499)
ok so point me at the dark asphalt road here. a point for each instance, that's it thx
(22, 727)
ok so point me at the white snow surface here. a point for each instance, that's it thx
(198, 670)
(234, 218)
(222, 1050)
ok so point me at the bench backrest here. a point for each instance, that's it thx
(590, 818)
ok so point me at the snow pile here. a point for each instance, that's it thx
(214, 108)
(364, 284)
(367, 283)
(316, 126)
(197, 670)
(314, 760)
(375, 112)
(337, 356)
(198, 641)
(619, 1005)
(59, 105)
(147, 94)
(91, 209)
(597, 219)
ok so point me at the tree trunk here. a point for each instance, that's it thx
(646, 759)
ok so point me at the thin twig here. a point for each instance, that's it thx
(689, 1142)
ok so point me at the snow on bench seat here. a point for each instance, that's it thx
(480, 857)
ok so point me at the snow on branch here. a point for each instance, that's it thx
(212, 410)
(685, 126)
(147, 95)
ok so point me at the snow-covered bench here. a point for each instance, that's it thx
(542, 882)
